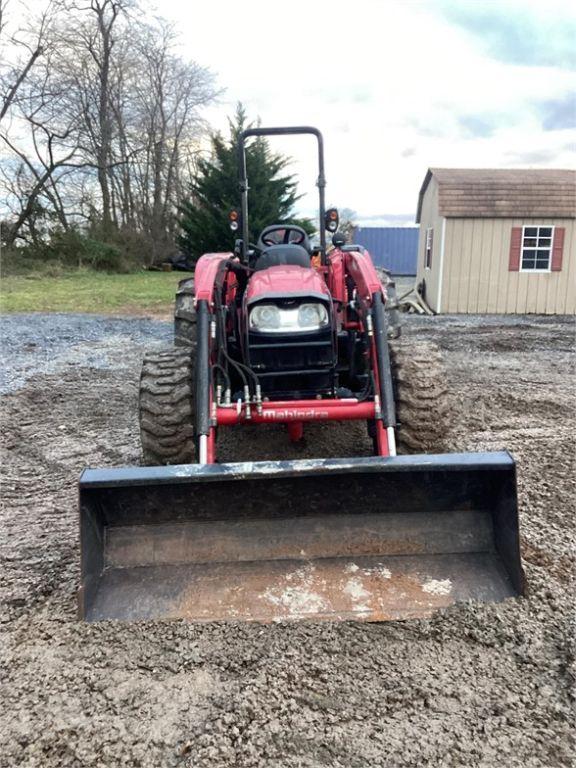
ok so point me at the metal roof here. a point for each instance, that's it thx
(395, 248)
(502, 193)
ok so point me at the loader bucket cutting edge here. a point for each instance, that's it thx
(366, 539)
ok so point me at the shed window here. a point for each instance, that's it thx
(428, 248)
(536, 249)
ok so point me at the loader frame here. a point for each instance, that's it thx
(209, 415)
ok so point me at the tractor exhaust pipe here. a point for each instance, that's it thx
(369, 539)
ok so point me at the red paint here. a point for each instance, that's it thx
(211, 441)
(557, 249)
(381, 434)
(211, 448)
(286, 280)
(300, 411)
(295, 431)
(382, 440)
(205, 274)
(231, 287)
(336, 276)
(362, 271)
(515, 249)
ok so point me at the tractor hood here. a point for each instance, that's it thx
(282, 281)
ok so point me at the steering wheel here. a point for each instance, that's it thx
(285, 234)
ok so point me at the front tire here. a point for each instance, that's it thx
(166, 408)
(422, 397)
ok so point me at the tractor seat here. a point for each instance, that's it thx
(282, 255)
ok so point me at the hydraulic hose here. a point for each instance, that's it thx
(202, 382)
(380, 322)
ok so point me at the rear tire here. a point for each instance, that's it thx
(421, 395)
(166, 407)
(185, 314)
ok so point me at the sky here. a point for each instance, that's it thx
(395, 87)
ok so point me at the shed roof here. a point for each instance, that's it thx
(502, 193)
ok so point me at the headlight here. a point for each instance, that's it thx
(272, 319)
(265, 317)
(312, 316)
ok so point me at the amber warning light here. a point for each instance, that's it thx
(331, 219)
(233, 217)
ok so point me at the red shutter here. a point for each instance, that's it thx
(557, 249)
(515, 249)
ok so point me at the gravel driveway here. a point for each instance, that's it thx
(36, 343)
(477, 685)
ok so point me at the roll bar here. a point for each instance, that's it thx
(321, 183)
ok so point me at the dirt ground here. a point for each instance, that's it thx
(477, 685)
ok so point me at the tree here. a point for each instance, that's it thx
(30, 44)
(165, 106)
(214, 192)
(102, 124)
(40, 154)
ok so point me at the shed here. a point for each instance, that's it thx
(394, 248)
(498, 241)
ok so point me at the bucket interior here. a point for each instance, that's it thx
(368, 539)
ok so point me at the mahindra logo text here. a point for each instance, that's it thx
(294, 414)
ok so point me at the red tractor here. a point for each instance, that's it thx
(289, 333)
(284, 332)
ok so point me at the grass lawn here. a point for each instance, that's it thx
(139, 293)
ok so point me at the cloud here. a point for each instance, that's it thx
(479, 125)
(532, 157)
(558, 114)
(445, 121)
(455, 87)
(517, 33)
(362, 96)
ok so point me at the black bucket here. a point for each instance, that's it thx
(367, 539)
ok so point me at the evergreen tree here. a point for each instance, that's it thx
(215, 191)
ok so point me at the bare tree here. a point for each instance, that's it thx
(104, 126)
(100, 47)
(37, 151)
(30, 43)
(168, 96)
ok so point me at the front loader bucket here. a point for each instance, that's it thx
(369, 539)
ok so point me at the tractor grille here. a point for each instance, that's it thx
(294, 367)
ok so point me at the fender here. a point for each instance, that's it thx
(205, 275)
(361, 269)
